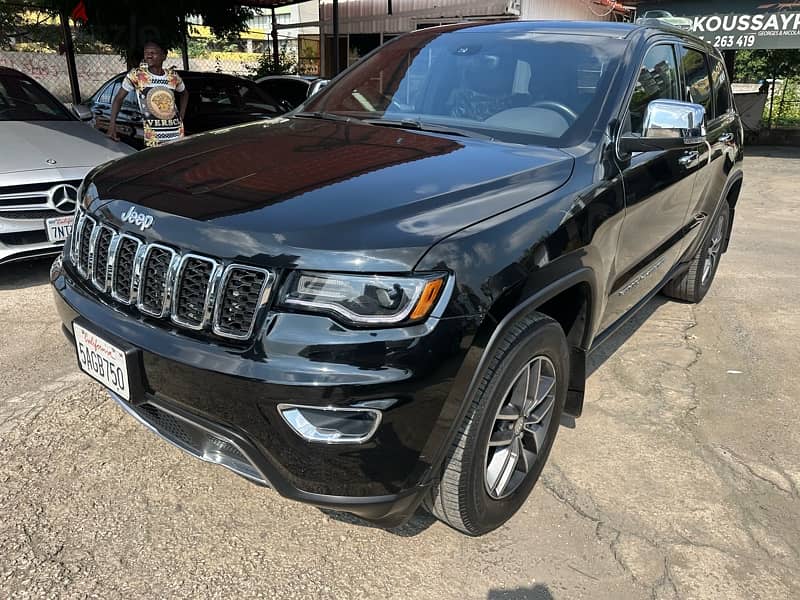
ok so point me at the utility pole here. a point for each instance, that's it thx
(335, 38)
(276, 62)
(185, 43)
(69, 49)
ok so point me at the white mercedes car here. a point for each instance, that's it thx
(46, 153)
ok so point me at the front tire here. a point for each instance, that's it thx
(508, 431)
(692, 285)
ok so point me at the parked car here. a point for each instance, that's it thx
(215, 101)
(388, 298)
(290, 90)
(46, 153)
(664, 17)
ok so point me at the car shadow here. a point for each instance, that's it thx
(599, 355)
(538, 592)
(25, 273)
(415, 525)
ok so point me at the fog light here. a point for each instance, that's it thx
(330, 425)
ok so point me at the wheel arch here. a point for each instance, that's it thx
(731, 196)
(571, 301)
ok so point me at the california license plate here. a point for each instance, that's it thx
(103, 361)
(58, 228)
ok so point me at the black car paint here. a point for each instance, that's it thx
(520, 228)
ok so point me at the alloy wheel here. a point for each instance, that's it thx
(712, 254)
(519, 431)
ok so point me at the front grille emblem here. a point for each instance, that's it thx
(134, 217)
(63, 198)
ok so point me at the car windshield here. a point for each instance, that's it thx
(23, 100)
(509, 85)
(220, 96)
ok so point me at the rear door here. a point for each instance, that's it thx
(658, 190)
(707, 84)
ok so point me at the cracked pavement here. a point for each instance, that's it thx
(681, 479)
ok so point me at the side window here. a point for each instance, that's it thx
(698, 84)
(658, 80)
(130, 101)
(721, 87)
(105, 95)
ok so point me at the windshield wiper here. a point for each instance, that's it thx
(417, 125)
(326, 116)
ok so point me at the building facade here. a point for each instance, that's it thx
(366, 24)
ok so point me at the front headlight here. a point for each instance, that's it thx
(364, 299)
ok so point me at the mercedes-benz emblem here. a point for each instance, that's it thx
(63, 198)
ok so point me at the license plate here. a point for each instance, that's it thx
(58, 228)
(102, 360)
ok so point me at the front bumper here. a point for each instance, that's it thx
(226, 397)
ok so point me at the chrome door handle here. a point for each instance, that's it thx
(688, 158)
(726, 137)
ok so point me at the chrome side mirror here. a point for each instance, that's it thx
(667, 124)
(81, 111)
(317, 86)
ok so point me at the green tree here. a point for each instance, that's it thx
(756, 65)
(759, 65)
(18, 23)
(287, 63)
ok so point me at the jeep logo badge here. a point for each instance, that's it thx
(141, 220)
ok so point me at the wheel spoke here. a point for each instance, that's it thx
(508, 467)
(508, 412)
(519, 390)
(526, 458)
(534, 378)
(538, 431)
(541, 411)
(546, 385)
(502, 437)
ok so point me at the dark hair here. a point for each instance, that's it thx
(158, 44)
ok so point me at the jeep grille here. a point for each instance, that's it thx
(193, 291)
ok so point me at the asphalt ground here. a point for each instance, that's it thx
(680, 481)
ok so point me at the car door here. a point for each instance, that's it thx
(658, 188)
(101, 106)
(706, 83)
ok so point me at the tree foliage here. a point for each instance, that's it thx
(287, 63)
(18, 22)
(125, 25)
(756, 65)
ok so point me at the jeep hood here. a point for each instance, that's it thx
(324, 194)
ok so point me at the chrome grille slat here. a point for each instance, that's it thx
(158, 269)
(100, 257)
(123, 276)
(84, 244)
(243, 291)
(193, 291)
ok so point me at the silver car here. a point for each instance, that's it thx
(46, 152)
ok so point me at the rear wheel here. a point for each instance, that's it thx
(508, 431)
(692, 285)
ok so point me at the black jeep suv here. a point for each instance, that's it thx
(386, 297)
